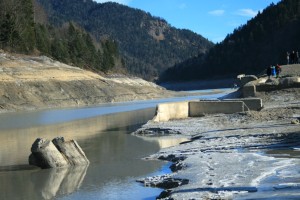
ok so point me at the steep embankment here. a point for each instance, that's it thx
(40, 82)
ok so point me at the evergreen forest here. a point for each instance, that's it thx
(101, 37)
(263, 41)
(24, 29)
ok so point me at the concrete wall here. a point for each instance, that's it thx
(169, 111)
(200, 108)
(249, 90)
(250, 103)
(181, 110)
(265, 85)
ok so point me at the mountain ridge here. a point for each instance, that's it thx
(263, 41)
(148, 44)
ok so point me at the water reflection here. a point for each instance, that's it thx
(61, 181)
(15, 144)
(115, 157)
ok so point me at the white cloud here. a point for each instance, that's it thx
(246, 12)
(216, 12)
(124, 2)
(182, 6)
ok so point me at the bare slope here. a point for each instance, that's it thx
(40, 82)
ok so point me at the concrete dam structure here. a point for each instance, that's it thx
(181, 110)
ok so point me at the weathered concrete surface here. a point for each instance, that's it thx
(250, 103)
(71, 150)
(249, 90)
(169, 111)
(244, 79)
(46, 155)
(201, 108)
(56, 153)
(288, 78)
(265, 85)
(182, 110)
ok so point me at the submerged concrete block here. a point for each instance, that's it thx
(56, 153)
(71, 150)
(44, 154)
(169, 111)
(200, 108)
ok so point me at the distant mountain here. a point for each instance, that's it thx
(147, 44)
(263, 41)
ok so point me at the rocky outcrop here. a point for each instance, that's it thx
(56, 153)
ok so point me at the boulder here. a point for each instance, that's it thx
(56, 153)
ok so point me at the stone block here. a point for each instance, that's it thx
(250, 103)
(44, 154)
(56, 153)
(169, 111)
(201, 108)
(249, 90)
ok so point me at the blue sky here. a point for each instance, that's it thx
(213, 19)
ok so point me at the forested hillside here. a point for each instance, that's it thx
(147, 44)
(25, 29)
(263, 41)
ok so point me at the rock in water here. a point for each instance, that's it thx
(56, 153)
(71, 150)
(44, 154)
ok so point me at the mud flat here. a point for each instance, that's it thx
(246, 155)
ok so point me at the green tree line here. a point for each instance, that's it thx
(68, 43)
(147, 44)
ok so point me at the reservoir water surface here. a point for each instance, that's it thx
(103, 132)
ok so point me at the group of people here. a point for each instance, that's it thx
(273, 71)
(293, 57)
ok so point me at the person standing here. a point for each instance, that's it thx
(288, 57)
(297, 58)
(273, 71)
(278, 70)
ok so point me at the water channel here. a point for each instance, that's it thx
(102, 132)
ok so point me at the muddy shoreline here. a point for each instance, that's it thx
(248, 155)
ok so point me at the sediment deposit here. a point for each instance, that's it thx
(29, 82)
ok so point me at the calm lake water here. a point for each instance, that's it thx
(102, 132)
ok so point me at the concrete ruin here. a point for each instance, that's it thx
(181, 110)
(264, 85)
(56, 153)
